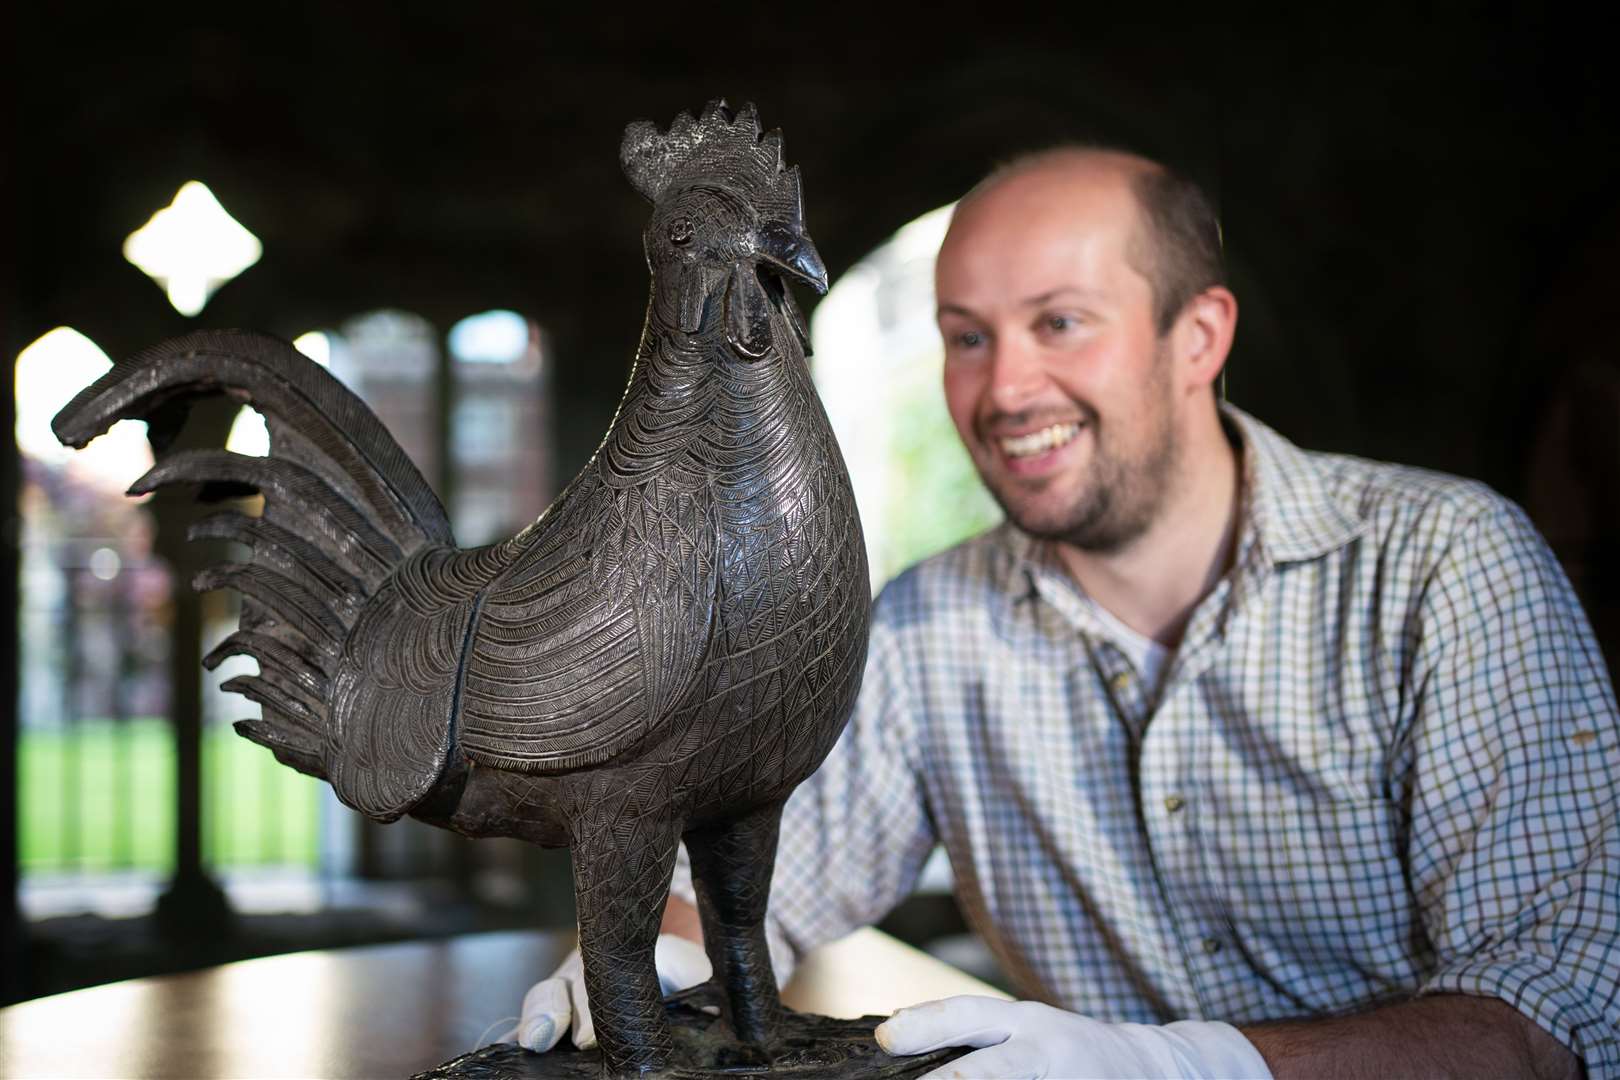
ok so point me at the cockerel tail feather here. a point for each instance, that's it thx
(307, 496)
(282, 547)
(272, 696)
(305, 757)
(285, 386)
(297, 674)
(344, 509)
(283, 597)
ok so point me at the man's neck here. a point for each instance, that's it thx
(1154, 584)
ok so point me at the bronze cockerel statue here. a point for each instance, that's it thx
(671, 648)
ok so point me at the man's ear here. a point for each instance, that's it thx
(1202, 335)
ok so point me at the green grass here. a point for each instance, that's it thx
(101, 797)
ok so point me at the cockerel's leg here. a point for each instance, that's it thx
(731, 873)
(622, 870)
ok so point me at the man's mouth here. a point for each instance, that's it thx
(1039, 442)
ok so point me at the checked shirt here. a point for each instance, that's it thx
(1384, 762)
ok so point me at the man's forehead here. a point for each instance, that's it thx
(1037, 230)
(1080, 189)
(1074, 165)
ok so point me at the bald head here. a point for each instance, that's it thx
(1173, 239)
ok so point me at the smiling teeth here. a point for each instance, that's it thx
(1039, 441)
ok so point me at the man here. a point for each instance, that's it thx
(1316, 751)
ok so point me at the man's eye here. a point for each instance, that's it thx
(970, 339)
(1059, 323)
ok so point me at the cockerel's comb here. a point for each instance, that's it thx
(716, 148)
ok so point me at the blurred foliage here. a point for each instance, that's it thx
(943, 501)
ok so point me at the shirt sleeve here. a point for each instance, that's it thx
(1515, 803)
(854, 835)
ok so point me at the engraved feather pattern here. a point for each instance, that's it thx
(671, 648)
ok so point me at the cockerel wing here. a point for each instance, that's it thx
(396, 690)
(597, 630)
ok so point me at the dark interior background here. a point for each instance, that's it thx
(1422, 212)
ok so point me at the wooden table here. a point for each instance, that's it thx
(378, 1011)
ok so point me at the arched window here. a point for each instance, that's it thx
(391, 359)
(501, 441)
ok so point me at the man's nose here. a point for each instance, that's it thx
(1015, 375)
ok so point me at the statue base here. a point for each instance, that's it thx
(807, 1046)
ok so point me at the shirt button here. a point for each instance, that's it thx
(1212, 945)
(1120, 681)
(1173, 803)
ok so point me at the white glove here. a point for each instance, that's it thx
(1025, 1040)
(558, 1004)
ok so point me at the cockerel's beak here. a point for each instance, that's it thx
(791, 252)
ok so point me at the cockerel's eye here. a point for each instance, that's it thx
(680, 231)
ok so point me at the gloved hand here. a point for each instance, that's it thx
(1025, 1040)
(558, 1004)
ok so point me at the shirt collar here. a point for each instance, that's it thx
(1288, 506)
(1289, 513)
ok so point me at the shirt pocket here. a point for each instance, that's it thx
(1312, 858)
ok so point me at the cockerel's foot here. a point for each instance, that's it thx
(742, 1057)
(755, 1022)
(754, 1031)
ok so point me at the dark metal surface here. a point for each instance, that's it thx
(668, 651)
(805, 1047)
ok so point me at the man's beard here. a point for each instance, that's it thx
(1122, 493)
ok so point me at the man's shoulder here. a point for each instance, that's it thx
(1313, 502)
(1408, 504)
(961, 580)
